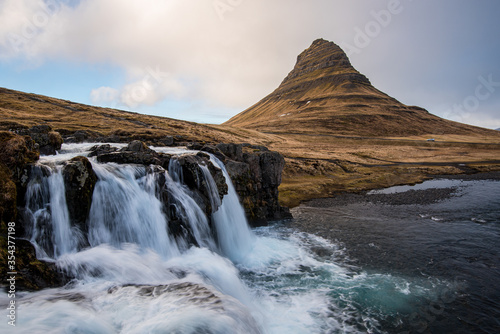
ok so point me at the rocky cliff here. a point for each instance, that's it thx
(16, 153)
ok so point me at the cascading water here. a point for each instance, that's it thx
(125, 210)
(133, 275)
(47, 210)
(234, 235)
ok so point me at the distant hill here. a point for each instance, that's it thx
(19, 110)
(325, 94)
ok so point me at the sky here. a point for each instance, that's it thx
(207, 60)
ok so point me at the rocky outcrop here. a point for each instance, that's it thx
(254, 170)
(16, 155)
(33, 274)
(79, 182)
(256, 175)
(48, 141)
(15, 152)
(136, 152)
(194, 178)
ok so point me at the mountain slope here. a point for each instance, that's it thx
(324, 94)
(19, 110)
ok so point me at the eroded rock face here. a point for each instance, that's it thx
(256, 175)
(16, 155)
(15, 152)
(79, 181)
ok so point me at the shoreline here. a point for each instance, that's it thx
(363, 198)
(341, 193)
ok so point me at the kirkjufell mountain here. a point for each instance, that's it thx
(325, 94)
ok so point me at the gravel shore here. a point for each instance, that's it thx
(416, 197)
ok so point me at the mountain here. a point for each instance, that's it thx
(325, 94)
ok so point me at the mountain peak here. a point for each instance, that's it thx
(325, 59)
(325, 94)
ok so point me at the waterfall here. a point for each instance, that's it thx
(125, 210)
(187, 207)
(46, 209)
(128, 207)
(234, 235)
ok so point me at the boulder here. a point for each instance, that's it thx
(101, 149)
(79, 136)
(48, 141)
(166, 141)
(136, 152)
(137, 146)
(79, 181)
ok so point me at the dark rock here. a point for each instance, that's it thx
(79, 136)
(8, 195)
(167, 140)
(49, 141)
(238, 171)
(33, 274)
(256, 174)
(194, 179)
(194, 146)
(215, 151)
(271, 164)
(16, 153)
(232, 151)
(136, 152)
(79, 181)
(101, 149)
(136, 146)
(139, 158)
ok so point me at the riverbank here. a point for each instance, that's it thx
(412, 196)
(416, 194)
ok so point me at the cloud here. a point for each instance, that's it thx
(230, 58)
(149, 87)
(231, 53)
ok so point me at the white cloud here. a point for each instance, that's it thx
(231, 58)
(231, 62)
(151, 86)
